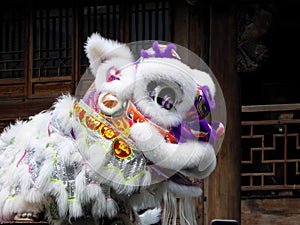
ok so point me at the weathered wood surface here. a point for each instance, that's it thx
(281, 211)
(223, 185)
(23, 222)
(19, 108)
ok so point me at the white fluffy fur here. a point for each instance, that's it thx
(53, 148)
(172, 156)
(182, 191)
(63, 110)
(18, 205)
(111, 208)
(175, 74)
(104, 54)
(204, 78)
(34, 195)
(151, 216)
(32, 138)
(98, 49)
(123, 87)
(187, 212)
(137, 200)
(194, 172)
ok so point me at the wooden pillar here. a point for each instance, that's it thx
(222, 187)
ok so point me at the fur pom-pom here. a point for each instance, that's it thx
(75, 209)
(187, 211)
(150, 216)
(62, 112)
(34, 195)
(99, 207)
(111, 208)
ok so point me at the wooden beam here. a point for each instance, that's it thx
(222, 187)
(22, 109)
(180, 23)
(271, 107)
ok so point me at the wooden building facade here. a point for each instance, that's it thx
(249, 46)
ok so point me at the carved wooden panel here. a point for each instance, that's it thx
(12, 90)
(254, 24)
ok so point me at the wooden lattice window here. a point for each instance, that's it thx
(127, 21)
(52, 42)
(12, 51)
(101, 17)
(50, 64)
(42, 44)
(149, 21)
(53, 35)
(271, 150)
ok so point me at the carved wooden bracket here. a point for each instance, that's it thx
(254, 23)
(192, 2)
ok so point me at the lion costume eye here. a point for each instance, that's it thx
(163, 94)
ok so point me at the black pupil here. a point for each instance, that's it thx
(164, 96)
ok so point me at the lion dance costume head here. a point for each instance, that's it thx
(131, 146)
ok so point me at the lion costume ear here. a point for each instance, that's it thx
(111, 63)
(99, 49)
(204, 79)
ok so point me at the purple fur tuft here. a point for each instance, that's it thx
(166, 53)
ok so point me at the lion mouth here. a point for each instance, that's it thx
(110, 101)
